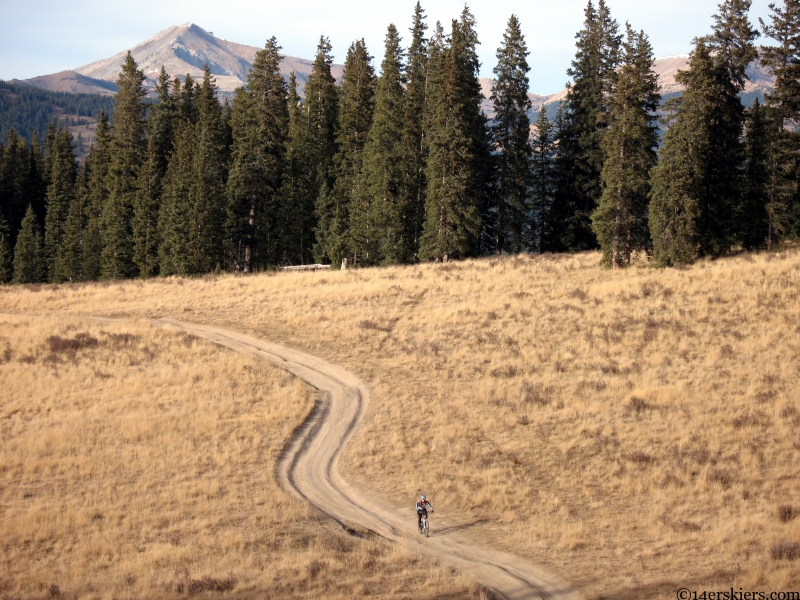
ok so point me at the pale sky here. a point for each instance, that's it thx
(39, 37)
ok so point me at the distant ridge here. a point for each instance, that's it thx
(70, 81)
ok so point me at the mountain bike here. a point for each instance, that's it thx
(424, 528)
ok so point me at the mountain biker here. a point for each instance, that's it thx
(422, 507)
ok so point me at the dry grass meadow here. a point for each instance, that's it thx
(137, 462)
(636, 431)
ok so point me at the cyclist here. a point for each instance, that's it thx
(422, 507)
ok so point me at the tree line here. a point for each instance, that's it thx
(403, 166)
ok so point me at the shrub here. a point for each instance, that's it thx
(785, 551)
(750, 419)
(637, 405)
(722, 477)
(314, 567)
(193, 587)
(532, 395)
(787, 513)
(642, 458)
(121, 339)
(506, 372)
(59, 345)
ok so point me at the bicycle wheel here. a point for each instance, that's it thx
(426, 527)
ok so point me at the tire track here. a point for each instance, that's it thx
(308, 466)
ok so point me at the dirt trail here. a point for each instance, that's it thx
(308, 467)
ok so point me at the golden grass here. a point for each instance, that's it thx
(634, 430)
(137, 462)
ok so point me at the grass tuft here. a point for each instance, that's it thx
(787, 512)
(785, 551)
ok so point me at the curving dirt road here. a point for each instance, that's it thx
(308, 466)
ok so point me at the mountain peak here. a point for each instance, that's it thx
(186, 49)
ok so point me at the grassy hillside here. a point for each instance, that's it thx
(137, 462)
(634, 430)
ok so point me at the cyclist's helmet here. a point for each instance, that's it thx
(422, 497)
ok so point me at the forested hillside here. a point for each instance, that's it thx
(403, 166)
(25, 108)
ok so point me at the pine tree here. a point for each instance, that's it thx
(585, 121)
(783, 206)
(381, 235)
(543, 150)
(29, 265)
(161, 123)
(71, 255)
(259, 121)
(698, 183)
(35, 188)
(128, 146)
(510, 137)
(10, 192)
(184, 97)
(458, 149)
(629, 145)
(6, 259)
(208, 202)
(193, 211)
(146, 208)
(764, 214)
(350, 231)
(356, 106)
(783, 61)
(414, 153)
(297, 198)
(753, 225)
(322, 112)
(60, 194)
(174, 226)
(97, 167)
(679, 180)
(732, 48)
(20, 184)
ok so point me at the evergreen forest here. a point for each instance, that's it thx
(398, 164)
(25, 108)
